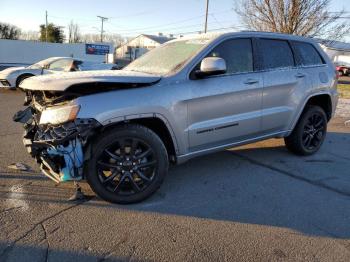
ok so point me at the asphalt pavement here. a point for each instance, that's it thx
(256, 202)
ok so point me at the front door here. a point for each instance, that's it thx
(226, 108)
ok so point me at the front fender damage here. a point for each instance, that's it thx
(59, 149)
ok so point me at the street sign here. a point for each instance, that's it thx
(94, 49)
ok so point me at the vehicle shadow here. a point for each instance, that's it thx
(257, 185)
(265, 186)
(21, 252)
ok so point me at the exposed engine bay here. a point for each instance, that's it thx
(54, 135)
(58, 148)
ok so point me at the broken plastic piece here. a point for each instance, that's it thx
(78, 194)
(19, 166)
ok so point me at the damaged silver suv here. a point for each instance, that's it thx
(119, 130)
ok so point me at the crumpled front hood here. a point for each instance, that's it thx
(10, 70)
(60, 82)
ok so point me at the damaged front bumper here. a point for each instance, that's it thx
(59, 149)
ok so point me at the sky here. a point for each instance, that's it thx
(129, 17)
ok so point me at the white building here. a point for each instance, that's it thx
(339, 52)
(140, 45)
(21, 52)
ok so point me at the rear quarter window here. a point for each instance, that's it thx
(276, 54)
(307, 54)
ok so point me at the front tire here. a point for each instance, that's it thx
(309, 133)
(128, 164)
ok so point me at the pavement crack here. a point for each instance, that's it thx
(316, 183)
(10, 247)
(123, 240)
(47, 243)
(339, 156)
(10, 208)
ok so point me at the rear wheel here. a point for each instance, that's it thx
(128, 165)
(309, 133)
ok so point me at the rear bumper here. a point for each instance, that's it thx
(334, 100)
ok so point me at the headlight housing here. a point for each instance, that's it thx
(59, 114)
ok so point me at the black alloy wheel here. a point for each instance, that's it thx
(127, 165)
(309, 133)
(314, 131)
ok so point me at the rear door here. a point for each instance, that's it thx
(284, 83)
(312, 63)
(226, 108)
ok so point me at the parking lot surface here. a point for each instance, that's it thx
(256, 202)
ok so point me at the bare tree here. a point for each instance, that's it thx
(300, 17)
(116, 39)
(91, 37)
(29, 35)
(73, 33)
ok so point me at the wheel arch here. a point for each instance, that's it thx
(157, 123)
(323, 100)
(21, 77)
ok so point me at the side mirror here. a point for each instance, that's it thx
(212, 66)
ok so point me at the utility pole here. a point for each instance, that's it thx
(46, 26)
(206, 17)
(102, 20)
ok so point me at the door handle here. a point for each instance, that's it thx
(251, 81)
(299, 75)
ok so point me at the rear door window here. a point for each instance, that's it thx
(275, 54)
(307, 53)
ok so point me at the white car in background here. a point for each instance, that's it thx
(12, 77)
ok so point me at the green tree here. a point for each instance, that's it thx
(8, 31)
(54, 33)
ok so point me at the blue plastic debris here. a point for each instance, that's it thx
(73, 157)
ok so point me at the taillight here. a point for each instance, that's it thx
(336, 74)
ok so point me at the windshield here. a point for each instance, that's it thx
(167, 58)
(41, 63)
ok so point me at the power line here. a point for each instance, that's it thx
(133, 15)
(177, 28)
(172, 23)
(213, 30)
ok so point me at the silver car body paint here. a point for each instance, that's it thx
(208, 114)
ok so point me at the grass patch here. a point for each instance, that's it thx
(344, 91)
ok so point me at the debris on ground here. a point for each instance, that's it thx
(19, 166)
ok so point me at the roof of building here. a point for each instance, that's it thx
(159, 39)
(337, 45)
